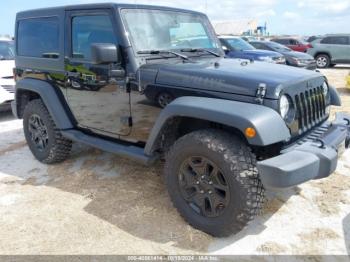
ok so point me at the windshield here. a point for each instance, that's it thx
(239, 44)
(6, 50)
(278, 47)
(168, 30)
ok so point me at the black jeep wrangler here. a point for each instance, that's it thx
(96, 74)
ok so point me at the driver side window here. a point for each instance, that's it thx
(87, 30)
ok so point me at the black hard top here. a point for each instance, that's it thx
(61, 9)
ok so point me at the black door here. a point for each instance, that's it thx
(98, 101)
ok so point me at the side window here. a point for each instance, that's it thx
(340, 40)
(38, 37)
(292, 42)
(224, 45)
(282, 41)
(87, 30)
(326, 40)
(336, 40)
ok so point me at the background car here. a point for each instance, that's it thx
(294, 44)
(331, 50)
(7, 83)
(236, 47)
(293, 58)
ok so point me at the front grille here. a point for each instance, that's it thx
(9, 88)
(279, 59)
(310, 108)
(311, 136)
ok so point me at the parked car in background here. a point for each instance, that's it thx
(313, 38)
(331, 50)
(294, 44)
(293, 58)
(7, 83)
(236, 47)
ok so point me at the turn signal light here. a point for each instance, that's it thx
(250, 132)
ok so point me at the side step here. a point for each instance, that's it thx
(129, 151)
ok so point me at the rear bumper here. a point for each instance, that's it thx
(313, 159)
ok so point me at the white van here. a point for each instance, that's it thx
(7, 83)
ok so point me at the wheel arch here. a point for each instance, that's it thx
(324, 53)
(198, 112)
(29, 89)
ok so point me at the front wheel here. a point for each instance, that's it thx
(163, 99)
(213, 181)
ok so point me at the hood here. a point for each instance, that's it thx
(6, 68)
(233, 76)
(258, 52)
(299, 55)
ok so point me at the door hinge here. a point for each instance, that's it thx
(261, 93)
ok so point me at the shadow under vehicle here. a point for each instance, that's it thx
(237, 128)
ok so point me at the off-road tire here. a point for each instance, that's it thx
(58, 147)
(323, 61)
(238, 163)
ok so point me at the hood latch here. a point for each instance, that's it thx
(261, 93)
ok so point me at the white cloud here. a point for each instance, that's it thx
(290, 15)
(326, 6)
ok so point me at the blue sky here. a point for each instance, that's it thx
(304, 17)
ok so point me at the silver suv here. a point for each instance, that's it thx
(331, 50)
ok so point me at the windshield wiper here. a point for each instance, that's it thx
(158, 52)
(193, 50)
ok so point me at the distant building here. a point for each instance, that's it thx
(236, 27)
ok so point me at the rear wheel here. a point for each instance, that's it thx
(164, 99)
(323, 61)
(44, 139)
(212, 180)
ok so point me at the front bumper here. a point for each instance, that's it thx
(314, 158)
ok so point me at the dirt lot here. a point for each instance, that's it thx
(97, 203)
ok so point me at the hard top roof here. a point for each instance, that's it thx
(59, 9)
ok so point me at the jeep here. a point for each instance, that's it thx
(232, 129)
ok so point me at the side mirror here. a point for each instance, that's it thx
(103, 53)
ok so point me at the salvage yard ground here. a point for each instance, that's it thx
(98, 203)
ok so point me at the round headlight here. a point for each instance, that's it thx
(284, 106)
(325, 88)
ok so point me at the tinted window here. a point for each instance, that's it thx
(87, 30)
(336, 40)
(38, 37)
(239, 44)
(257, 45)
(281, 41)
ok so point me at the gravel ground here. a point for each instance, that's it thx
(97, 203)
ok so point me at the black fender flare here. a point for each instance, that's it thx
(335, 98)
(50, 98)
(269, 125)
